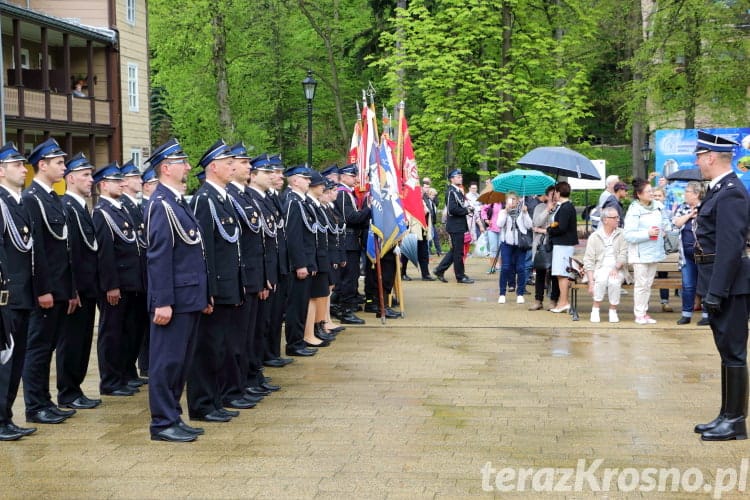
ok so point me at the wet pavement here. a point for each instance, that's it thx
(462, 398)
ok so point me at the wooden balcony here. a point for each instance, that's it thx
(25, 104)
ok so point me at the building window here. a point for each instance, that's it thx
(135, 155)
(133, 86)
(25, 58)
(130, 11)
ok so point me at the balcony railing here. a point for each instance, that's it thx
(80, 110)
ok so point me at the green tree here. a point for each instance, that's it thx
(496, 78)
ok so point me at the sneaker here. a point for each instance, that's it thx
(595, 315)
(501, 299)
(645, 320)
(520, 300)
(613, 318)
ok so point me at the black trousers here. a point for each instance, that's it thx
(45, 327)
(454, 256)
(539, 286)
(74, 351)
(234, 371)
(204, 375)
(113, 343)
(349, 280)
(10, 372)
(388, 272)
(730, 329)
(271, 340)
(171, 354)
(137, 326)
(255, 346)
(296, 311)
(278, 311)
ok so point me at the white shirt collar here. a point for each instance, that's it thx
(77, 197)
(222, 190)
(43, 184)
(238, 185)
(134, 200)
(16, 196)
(262, 194)
(176, 192)
(316, 202)
(718, 179)
(114, 202)
(299, 193)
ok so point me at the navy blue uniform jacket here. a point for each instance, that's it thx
(176, 268)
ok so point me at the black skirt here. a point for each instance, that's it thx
(319, 286)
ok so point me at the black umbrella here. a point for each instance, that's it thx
(560, 161)
(688, 174)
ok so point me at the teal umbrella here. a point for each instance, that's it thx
(523, 182)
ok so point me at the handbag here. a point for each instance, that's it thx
(671, 242)
(524, 240)
(543, 255)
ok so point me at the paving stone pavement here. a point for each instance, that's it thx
(417, 408)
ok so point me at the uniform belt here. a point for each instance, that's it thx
(704, 258)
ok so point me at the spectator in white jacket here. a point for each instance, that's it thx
(513, 220)
(604, 261)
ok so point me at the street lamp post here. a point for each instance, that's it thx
(646, 155)
(309, 84)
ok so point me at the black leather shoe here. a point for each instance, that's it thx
(270, 387)
(337, 329)
(440, 276)
(325, 336)
(428, 278)
(26, 431)
(137, 382)
(8, 434)
(257, 391)
(703, 322)
(277, 363)
(228, 413)
(405, 277)
(61, 413)
(352, 319)
(304, 351)
(466, 280)
(45, 417)
(371, 307)
(323, 343)
(82, 403)
(214, 416)
(240, 404)
(174, 434)
(390, 313)
(122, 391)
(684, 320)
(190, 429)
(253, 398)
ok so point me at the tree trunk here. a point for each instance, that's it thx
(639, 129)
(692, 53)
(506, 117)
(331, 56)
(219, 63)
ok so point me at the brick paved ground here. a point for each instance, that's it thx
(415, 409)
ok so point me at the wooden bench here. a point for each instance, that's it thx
(673, 281)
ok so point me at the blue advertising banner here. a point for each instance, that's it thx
(674, 150)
